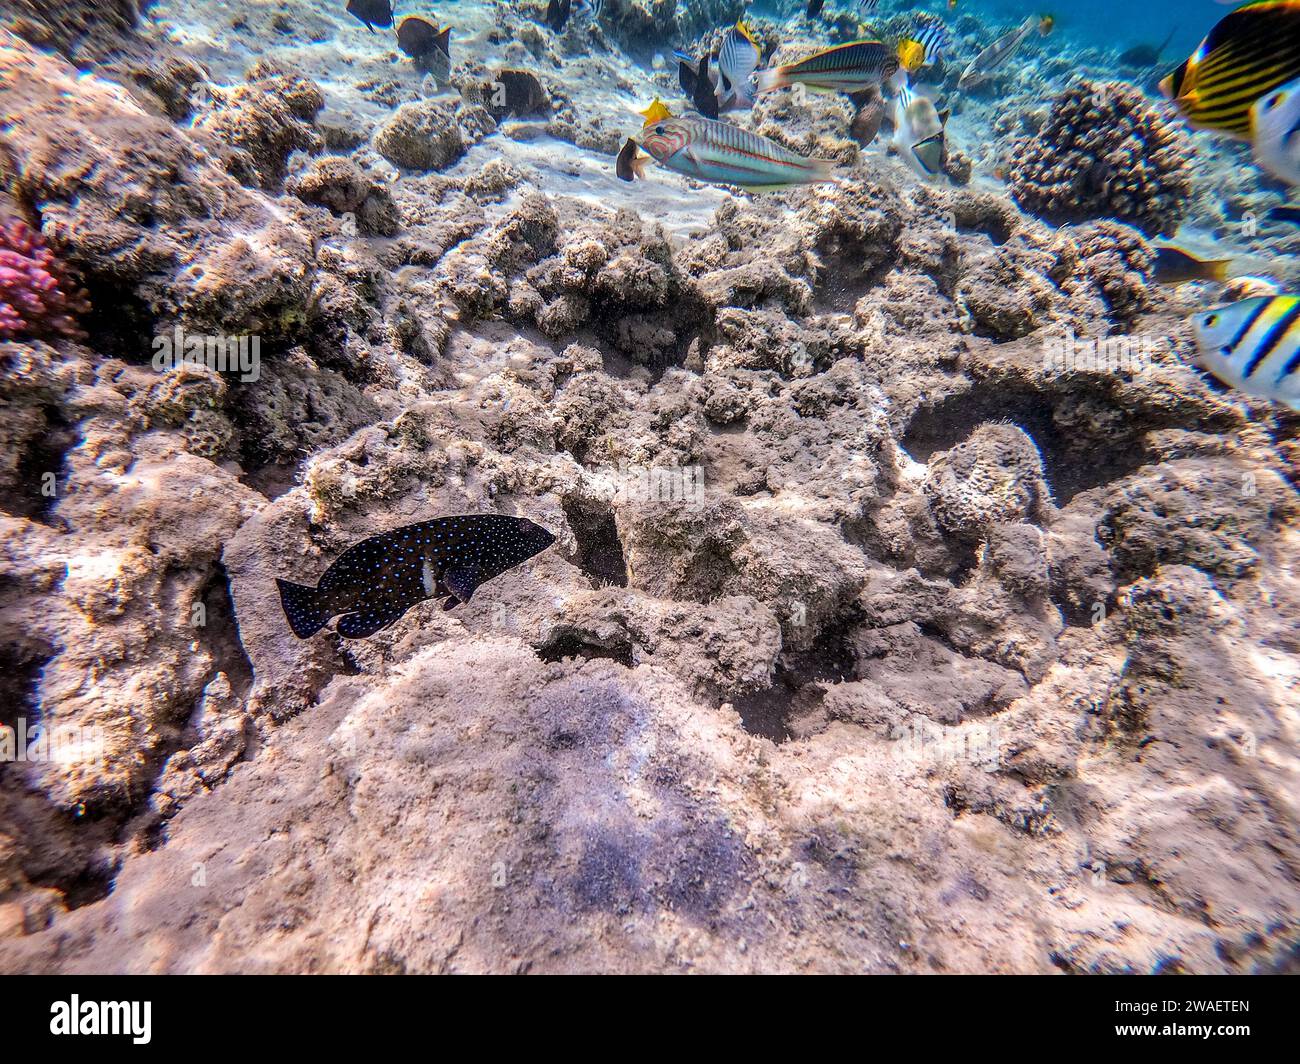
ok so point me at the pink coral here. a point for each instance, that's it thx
(36, 296)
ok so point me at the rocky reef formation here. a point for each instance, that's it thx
(883, 632)
(1104, 152)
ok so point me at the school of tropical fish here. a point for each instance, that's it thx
(1242, 82)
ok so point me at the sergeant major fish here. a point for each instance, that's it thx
(1254, 346)
(376, 581)
(1274, 129)
(737, 60)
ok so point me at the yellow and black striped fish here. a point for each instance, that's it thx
(1254, 346)
(1248, 54)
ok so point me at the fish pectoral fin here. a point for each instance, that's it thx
(461, 580)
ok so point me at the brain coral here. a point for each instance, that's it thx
(1104, 152)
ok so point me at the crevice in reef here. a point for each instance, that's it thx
(221, 633)
(567, 643)
(1072, 463)
(119, 324)
(600, 551)
(46, 454)
(799, 684)
(272, 479)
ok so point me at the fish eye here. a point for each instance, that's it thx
(1211, 321)
(659, 130)
(1274, 100)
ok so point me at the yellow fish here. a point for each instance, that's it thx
(911, 54)
(656, 112)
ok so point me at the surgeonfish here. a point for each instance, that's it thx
(869, 117)
(848, 67)
(738, 58)
(630, 163)
(377, 580)
(1254, 346)
(984, 65)
(1175, 266)
(557, 14)
(372, 13)
(1274, 122)
(918, 133)
(722, 154)
(428, 46)
(1248, 54)
(705, 97)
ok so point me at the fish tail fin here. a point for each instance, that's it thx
(770, 79)
(823, 169)
(302, 607)
(1220, 269)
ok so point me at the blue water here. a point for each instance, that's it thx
(1112, 23)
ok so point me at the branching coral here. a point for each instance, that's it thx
(1104, 152)
(36, 296)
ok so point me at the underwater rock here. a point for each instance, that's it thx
(264, 121)
(1104, 152)
(82, 30)
(342, 186)
(421, 136)
(143, 212)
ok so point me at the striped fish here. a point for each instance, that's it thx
(737, 60)
(848, 67)
(723, 154)
(1254, 346)
(935, 39)
(1248, 54)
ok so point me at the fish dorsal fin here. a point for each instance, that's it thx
(656, 112)
(443, 40)
(748, 34)
(461, 579)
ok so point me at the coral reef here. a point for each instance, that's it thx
(36, 296)
(875, 637)
(1104, 152)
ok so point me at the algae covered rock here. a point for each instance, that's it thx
(421, 136)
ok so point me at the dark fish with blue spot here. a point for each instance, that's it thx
(374, 582)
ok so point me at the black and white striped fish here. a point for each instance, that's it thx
(935, 38)
(1254, 346)
(377, 580)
